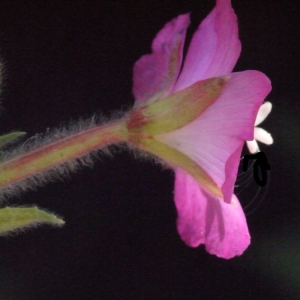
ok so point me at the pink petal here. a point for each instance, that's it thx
(231, 168)
(214, 49)
(156, 73)
(215, 138)
(202, 219)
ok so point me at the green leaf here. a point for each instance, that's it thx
(10, 137)
(18, 218)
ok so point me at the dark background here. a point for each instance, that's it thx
(65, 60)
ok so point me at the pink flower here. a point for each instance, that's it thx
(204, 150)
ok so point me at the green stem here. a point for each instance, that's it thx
(62, 151)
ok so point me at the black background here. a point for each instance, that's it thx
(65, 60)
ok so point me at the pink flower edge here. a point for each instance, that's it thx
(202, 219)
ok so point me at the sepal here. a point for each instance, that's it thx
(177, 110)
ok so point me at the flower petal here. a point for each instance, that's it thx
(214, 49)
(202, 219)
(231, 169)
(263, 112)
(263, 136)
(155, 74)
(223, 127)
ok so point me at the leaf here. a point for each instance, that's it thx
(19, 218)
(10, 137)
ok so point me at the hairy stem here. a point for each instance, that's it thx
(61, 151)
